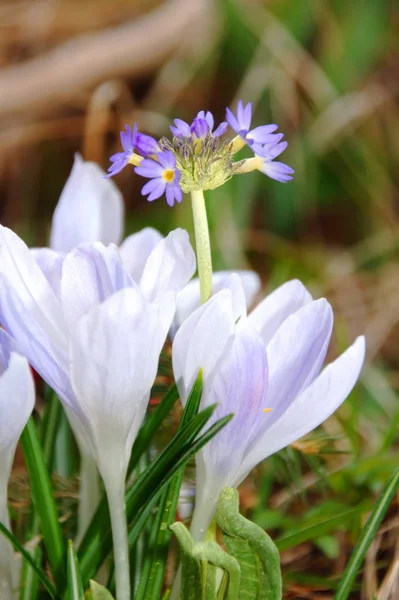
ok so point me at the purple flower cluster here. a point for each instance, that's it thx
(164, 166)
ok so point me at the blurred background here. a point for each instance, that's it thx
(73, 72)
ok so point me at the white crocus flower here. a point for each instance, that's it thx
(266, 370)
(97, 344)
(17, 399)
(90, 209)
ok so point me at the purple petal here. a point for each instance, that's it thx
(247, 117)
(127, 139)
(182, 128)
(151, 185)
(170, 195)
(221, 130)
(149, 168)
(146, 145)
(200, 128)
(232, 121)
(167, 159)
(278, 171)
(158, 191)
(262, 134)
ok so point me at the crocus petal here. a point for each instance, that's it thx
(239, 386)
(296, 354)
(17, 398)
(136, 249)
(90, 209)
(114, 357)
(243, 286)
(20, 272)
(316, 404)
(267, 317)
(91, 274)
(170, 265)
(50, 263)
(49, 359)
(202, 340)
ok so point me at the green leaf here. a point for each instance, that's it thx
(48, 428)
(43, 499)
(153, 569)
(366, 537)
(152, 425)
(75, 585)
(191, 581)
(254, 550)
(212, 553)
(28, 558)
(198, 569)
(99, 592)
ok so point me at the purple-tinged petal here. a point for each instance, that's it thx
(136, 249)
(239, 386)
(202, 341)
(50, 263)
(296, 354)
(271, 313)
(177, 190)
(90, 209)
(91, 273)
(315, 404)
(169, 266)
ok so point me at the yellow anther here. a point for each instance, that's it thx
(265, 410)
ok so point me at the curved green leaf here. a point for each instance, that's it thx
(254, 550)
(367, 536)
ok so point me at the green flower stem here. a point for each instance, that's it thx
(89, 493)
(202, 242)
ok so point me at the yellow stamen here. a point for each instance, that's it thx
(236, 144)
(135, 159)
(250, 164)
(168, 175)
(266, 410)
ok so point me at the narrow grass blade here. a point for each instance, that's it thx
(366, 537)
(152, 425)
(153, 570)
(75, 584)
(43, 499)
(38, 570)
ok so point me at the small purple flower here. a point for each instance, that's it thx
(201, 126)
(275, 170)
(255, 138)
(164, 175)
(131, 141)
